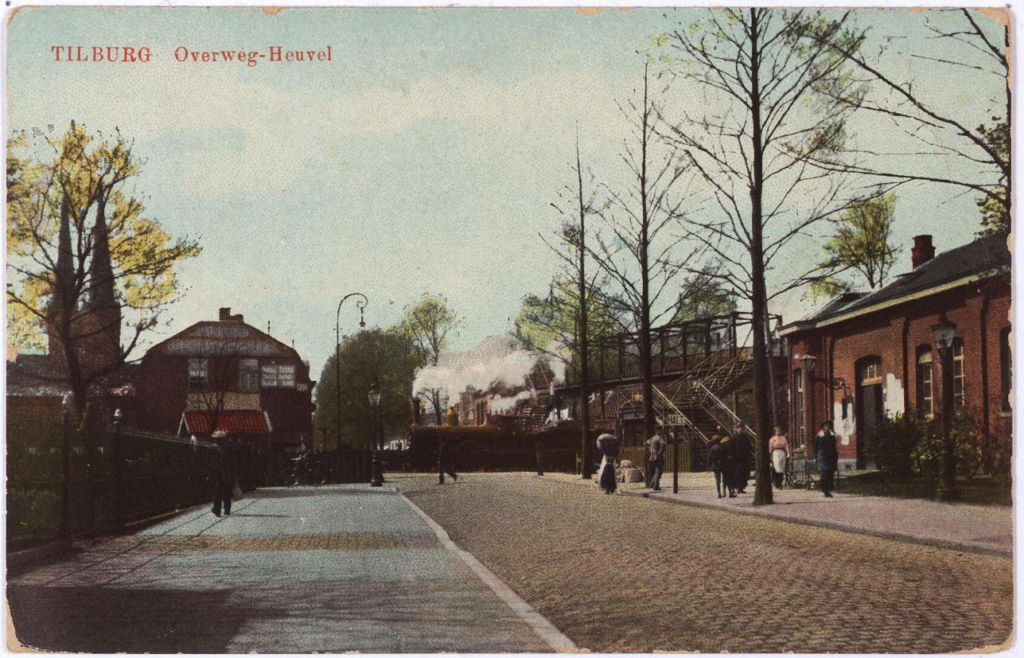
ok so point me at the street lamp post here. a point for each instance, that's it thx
(807, 367)
(337, 364)
(118, 475)
(944, 332)
(376, 477)
(65, 468)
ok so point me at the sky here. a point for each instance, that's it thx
(423, 159)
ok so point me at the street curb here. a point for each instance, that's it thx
(895, 536)
(536, 621)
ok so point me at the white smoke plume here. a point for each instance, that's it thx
(503, 405)
(496, 361)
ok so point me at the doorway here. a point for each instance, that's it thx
(870, 406)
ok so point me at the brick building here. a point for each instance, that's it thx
(865, 356)
(227, 375)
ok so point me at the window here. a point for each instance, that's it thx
(198, 374)
(958, 373)
(870, 371)
(1005, 369)
(249, 376)
(278, 376)
(924, 383)
(798, 408)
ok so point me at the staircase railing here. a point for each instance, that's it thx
(675, 410)
(721, 406)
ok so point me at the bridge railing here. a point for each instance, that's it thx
(676, 348)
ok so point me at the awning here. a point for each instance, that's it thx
(232, 422)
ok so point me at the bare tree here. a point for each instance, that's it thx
(640, 256)
(562, 324)
(754, 141)
(962, 40)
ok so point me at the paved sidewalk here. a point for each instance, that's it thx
(986, 529)
(329, 569)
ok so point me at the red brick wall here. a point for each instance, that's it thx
(894, 335)
(163, 387)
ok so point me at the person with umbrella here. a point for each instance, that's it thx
(609, 447)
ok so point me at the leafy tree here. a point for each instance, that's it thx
(549, 324)
(861, 244)
(384, 358)
(83, 259)
(995, 204)
(428, 324)
(703, 296)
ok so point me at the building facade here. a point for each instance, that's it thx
(227, 375)
(868, 356)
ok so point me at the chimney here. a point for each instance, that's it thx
(923, 251)
(225, 314)
(239, 318)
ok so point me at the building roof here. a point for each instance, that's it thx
(979, 259)
(212, 338)
(40, 376)
(35, 375)
(231, 421)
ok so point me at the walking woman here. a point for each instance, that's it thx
(609, 447)
(740, 450)
(826, 454)
(778, 448)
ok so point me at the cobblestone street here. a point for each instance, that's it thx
(624, 573)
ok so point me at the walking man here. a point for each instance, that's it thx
(224, 477)
(444, 464)
(826, 454)
(716, 460)
(656, 458)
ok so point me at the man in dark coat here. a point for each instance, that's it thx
(656, 458)
(740, 452)
(826, 454)
(444, 462)
(717, 463)
(224, 477)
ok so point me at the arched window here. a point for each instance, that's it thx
(1005, 369)
(924, 382)
(869, 371)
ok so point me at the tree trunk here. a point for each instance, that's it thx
(646, 367)
(762, 385)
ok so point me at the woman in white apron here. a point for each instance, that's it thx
(779, 450)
